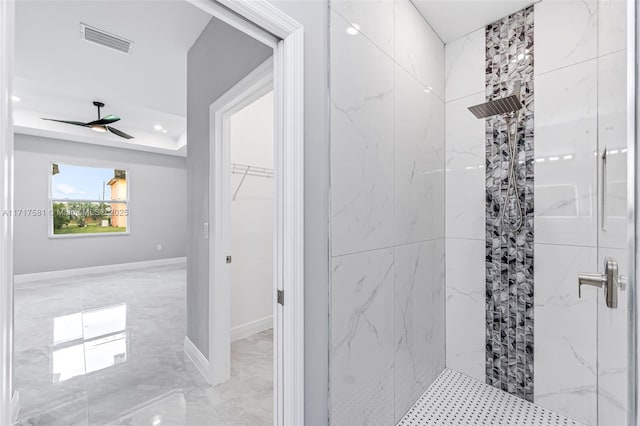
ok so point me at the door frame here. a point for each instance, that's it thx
(251, 88)
(8, 398)
(633, 185)
(262, 21)
(269, 25)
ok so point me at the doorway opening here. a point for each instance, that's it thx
(264, 23)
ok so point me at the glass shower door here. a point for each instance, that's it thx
(612, 236)
(580, 351)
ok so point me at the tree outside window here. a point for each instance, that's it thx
(88, 200)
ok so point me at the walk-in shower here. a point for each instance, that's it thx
(509, 107)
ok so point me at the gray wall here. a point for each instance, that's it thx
(157, 199)
(313, 14)
(219, 59)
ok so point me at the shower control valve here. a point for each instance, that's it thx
(609, 280)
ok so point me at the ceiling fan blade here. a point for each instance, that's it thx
(119, 132)
(105, 120)
(76, 123)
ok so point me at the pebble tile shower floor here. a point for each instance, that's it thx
(456, 399)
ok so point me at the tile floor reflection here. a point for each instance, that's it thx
(108, 350)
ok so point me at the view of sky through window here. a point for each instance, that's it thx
(81, 183)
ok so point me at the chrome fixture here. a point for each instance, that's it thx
(603, 213)
(610, 280)
(501, 106)
(510, 107)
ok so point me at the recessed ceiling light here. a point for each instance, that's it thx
(353, 29)
(15, 98)
(164, 131)
(554, 158)
(157, 127)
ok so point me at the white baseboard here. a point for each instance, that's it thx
(15, 407)
(245, 330)
(66, 273)
(199, 360)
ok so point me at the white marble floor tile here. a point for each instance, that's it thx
(108, 350)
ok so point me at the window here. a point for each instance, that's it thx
(88, 200)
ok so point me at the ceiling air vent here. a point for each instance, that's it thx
(105, 39)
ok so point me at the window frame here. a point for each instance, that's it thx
(51, 199)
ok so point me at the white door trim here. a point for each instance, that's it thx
(265, 22)
(255, 85)
(7, 21)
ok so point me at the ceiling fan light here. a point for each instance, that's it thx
(98, 128)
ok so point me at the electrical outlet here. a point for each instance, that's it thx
(159, 247)
(205, 230)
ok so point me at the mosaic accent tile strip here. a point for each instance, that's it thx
(509, 252)
(458, 400)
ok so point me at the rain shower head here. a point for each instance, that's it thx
(499, 106)
(496, 107)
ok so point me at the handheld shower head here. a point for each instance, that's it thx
(506, 106)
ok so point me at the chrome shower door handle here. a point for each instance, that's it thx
(590, 278)
(603, 202)
(609, 281)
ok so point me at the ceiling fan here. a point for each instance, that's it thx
(100, 125)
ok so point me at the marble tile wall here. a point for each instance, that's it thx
(465, 205)
(612, 237)
(387, 197)
(579, 97)
(566, 332)
(580, 112)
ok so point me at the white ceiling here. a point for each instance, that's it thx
(452, 19)
(58, 75)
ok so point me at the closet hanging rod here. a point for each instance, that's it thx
(245, 168)
(248, 170)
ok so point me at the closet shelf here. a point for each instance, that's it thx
(248, 170)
